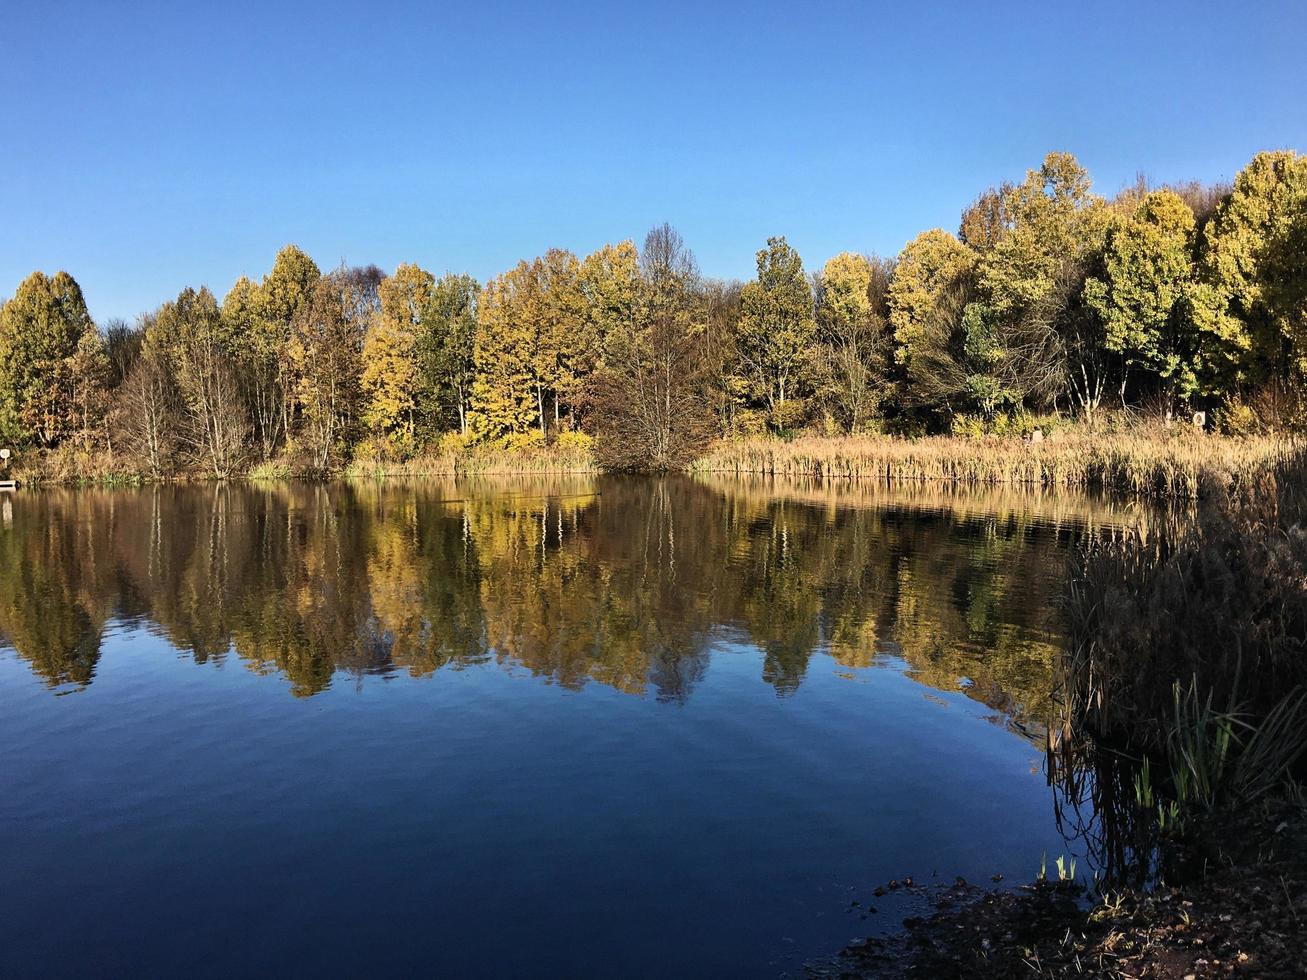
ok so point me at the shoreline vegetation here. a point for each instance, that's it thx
(1183, 465)
(1175, 464)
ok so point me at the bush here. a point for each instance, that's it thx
(575, 443)
(968, 426)
(1237, 419)
(523, 442)
(751, 422)
(453, 444)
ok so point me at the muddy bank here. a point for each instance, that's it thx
(1243, 913)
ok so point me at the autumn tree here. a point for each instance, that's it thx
(149, 406)
(41, 330)
(652, 410)
(1252, 304)
(324, 355)
(122, 345)
(505, 403)
(258, 359)
(853, 341)
(564, 346)
(192, 337)
(727, 388)
(90, 374)
(985, 221)
(282, 295)
(777, 330)
(609, 281)
(390, 376)
(610, 286)
(1147, 273)
(932, 283)
(1033, 326)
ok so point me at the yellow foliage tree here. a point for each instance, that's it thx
(504, 403)
(389, 373)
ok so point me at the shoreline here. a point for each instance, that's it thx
(1169, 465)
(1240, 915)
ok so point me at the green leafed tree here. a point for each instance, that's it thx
(777, 330)
(1252, 304)
(1146, 274)
(853, 336)
(446, 345)
(41, 330)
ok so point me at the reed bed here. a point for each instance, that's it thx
(1191, 650)
(479, 462)
(1182, 464)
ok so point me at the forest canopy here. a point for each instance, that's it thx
(1049, 298)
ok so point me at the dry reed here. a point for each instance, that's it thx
(1183, 464)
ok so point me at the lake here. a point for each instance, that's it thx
(560, 726)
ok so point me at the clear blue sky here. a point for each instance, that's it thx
(150, 146)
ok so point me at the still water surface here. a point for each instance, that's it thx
(565, 727)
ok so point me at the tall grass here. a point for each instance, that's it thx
(1180, 464)
(1192, 648)
(71, 465)
(479, 461)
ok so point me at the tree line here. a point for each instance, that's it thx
(1048, 298)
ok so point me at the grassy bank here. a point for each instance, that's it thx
(66, 468)
(479, 462)
(69, 466)
(1181, 464)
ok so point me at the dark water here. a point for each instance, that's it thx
(535, 728)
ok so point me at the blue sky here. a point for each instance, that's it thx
(150, 146)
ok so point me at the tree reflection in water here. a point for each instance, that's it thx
(624, 582)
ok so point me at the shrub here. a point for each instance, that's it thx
(523, 442)
(578, 443)
(453, 444)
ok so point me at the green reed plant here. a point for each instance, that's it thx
(1200, 741)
